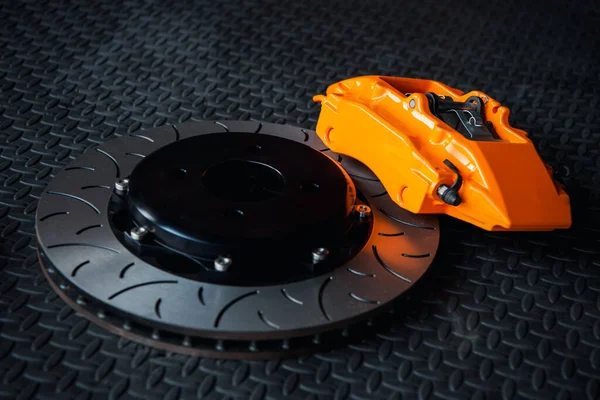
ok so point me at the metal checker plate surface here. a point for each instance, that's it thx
(498, 316)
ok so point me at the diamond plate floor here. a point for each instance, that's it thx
(499, 316)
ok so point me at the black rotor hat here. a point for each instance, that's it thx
(241, 193)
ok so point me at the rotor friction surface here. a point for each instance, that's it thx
(85, 258)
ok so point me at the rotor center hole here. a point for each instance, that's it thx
(243, 181)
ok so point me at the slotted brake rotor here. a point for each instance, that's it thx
(233, 239)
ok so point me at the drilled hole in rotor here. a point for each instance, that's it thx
(310, 187)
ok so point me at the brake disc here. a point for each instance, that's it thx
(233, 239)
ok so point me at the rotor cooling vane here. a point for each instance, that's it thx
(228, 239)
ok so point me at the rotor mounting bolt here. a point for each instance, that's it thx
(319, 254)
(222, 264)
(122, 185)
(412, 103)
(363, 211)
(139, 233)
